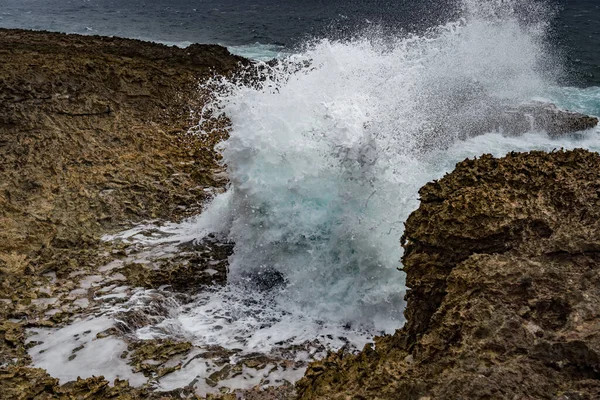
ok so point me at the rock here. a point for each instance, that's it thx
(197, 265)
(93, 133)
(35, 383)
(502, 264)
(263, 279)
(12, 350)
(542, 117)
(461, 109)
(150, 356)
(516, 120)
(94, 138)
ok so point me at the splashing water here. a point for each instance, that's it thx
(326, 157)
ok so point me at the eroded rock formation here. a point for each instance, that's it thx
(93, 139)
(92, 134)
(503, 264)
(463, 109)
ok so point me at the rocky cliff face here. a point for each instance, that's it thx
(502, 264)
(501, 256)
(93, 138)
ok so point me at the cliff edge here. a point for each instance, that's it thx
(502, 261)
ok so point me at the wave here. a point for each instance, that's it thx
(326, 156)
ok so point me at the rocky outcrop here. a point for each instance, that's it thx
(463, 109)
(93, 133)
(541, 117)
(94, 138)
(502, 261)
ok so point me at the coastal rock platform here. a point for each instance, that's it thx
(97, 137)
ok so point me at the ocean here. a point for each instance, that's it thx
(264, 28)
(326, 156)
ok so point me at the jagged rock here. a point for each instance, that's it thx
(93, 134)
(35, 383)
(150, 356)
(11, 344)
(543, 117)
(463, 109)
(198, 265)
(93, 139)
(502, 262)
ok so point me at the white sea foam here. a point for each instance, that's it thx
(75, 351)
(326, 156)
(259, 51)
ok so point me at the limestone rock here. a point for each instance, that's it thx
(502, 263)
(93, 139)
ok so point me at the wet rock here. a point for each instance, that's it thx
(35, 383)
(514, 120)
(501, 260)
(94, 138)
(150, 308)
(263, 279)
(463, 109)
(198, 265)
(150, 356)
(543, 117)
(12, 350)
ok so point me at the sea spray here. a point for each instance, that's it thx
(326, 155)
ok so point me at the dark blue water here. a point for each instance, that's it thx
(288, 23)
(577, 32)
(231, 22)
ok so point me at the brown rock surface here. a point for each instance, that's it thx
(92, 134)
(93, 138)
(502, 258)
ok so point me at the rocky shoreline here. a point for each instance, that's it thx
(501, 258)
(95, 139)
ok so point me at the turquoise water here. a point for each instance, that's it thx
(584, 100)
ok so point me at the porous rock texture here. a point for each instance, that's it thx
(94, 138)
(92, 134)
(503, 264)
